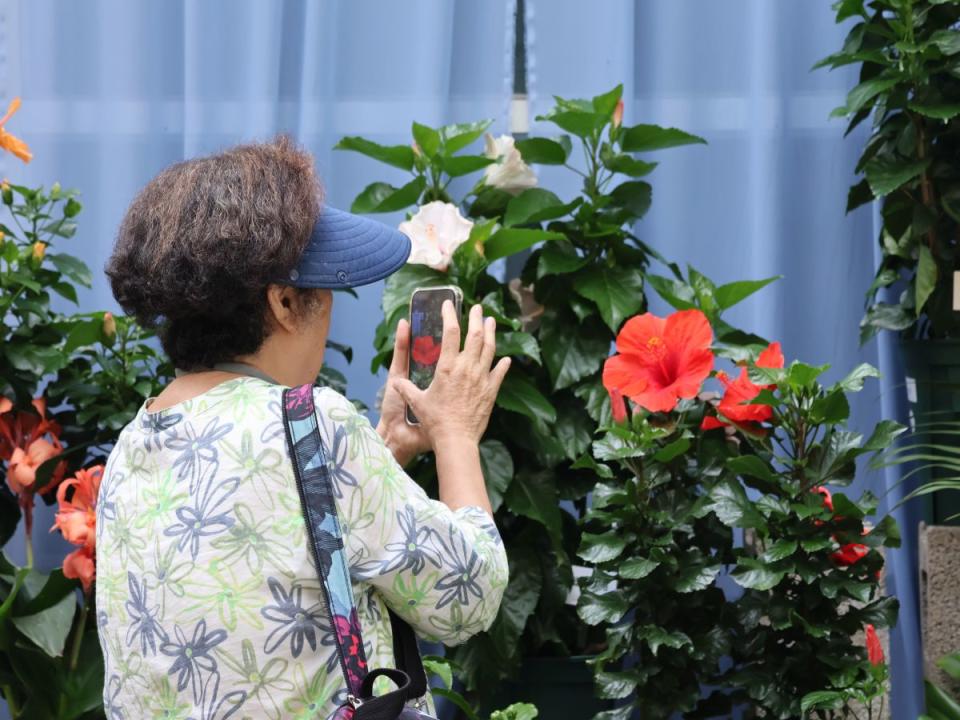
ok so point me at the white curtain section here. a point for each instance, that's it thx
(115, 90)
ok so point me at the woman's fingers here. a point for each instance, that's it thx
(399, 366)
(411, 394)
(473, 345)
(450, 341)
(498, 373)
(489, 342)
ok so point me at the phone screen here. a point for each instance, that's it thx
(426, 332)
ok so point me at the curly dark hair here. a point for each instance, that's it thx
(202, 241)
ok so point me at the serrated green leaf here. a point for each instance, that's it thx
(732, 293)
(601, 548)
(886, 175)
(617, 292)
(519, 394)
(542, 150)
(637, 568)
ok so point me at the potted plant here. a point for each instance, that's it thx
(584, 277)
(688, 467)
(908, 54)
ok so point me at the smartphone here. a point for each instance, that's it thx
(426, 332)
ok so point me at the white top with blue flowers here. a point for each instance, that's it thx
(208, 601)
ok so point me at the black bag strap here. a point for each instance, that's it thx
(326, 542)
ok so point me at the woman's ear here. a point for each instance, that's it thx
(284, 303)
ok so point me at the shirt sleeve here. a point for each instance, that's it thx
(443, 571)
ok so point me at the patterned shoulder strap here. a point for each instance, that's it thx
(326, 540)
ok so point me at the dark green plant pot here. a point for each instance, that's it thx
(559, 687)
(933, 366)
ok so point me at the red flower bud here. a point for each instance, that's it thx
(618, 114)
(874, 648)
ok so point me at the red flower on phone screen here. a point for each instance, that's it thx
(426, 350)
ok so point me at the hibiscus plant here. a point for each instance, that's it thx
(908, 54)
(67, 384)
(770, 623)
(583, 275)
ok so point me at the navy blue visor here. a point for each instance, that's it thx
(347, 250)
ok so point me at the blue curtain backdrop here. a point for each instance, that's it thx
(115, 90)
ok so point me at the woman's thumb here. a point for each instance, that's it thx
(411, 394)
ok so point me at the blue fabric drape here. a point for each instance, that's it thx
(115, 90)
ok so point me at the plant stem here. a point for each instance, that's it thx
(11, 701)
(77, 639)
(28, 544)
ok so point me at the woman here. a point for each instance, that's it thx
(209, 602)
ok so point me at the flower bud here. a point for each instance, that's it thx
(416, 149)
(39, 250)
(109, 328)
(618, 113)
(55, 190)
(6, 192)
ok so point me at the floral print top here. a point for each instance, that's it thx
(209, 605)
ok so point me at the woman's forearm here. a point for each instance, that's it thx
(460, 475)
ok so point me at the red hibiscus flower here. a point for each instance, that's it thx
(827, 497)
(849, 554)
(661, 360)
(618, 406)
(735, 405)
(426, 350)
(874, 648)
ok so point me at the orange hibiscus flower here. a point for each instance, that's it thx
(661, 360)
(27, 440)
(735, 405)
(81, 565)
(77, 517)
(10, 143)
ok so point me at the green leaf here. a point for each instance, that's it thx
(542, 151)
(645, 138)
(520, 597)
(853, 382)
(926, 279)
(617, 291)
(379, 197)
(865, 92)
(615, 685)
(497, 467)
(84, 332)
(509, 241)
(72, 208)
(732, 506)
(609, 607)
(937, 112)
(536, 205)
(950, 664)
(439, 667)
(519, 394)
(458, 136)
(571, 355)
(752, 573)
(578, 122)
(558, 258)
(35, 359)
(534, 495)
(821, 700)
(605, 103)
(672, 451)
(49, 628)
(730, 294)
(886, 175)
(637, 568)
(514, 343)
(427, 139)
(633, 195)
(948, 41)
(625, 164)
(457, 165)
(657, 637)
(400, 286)
(780, 550)
(74, 269)
(831, 409)
(693, 578)
(400, 156)
(602, 548)
(801, 375)
(678, 294)
(83, 687)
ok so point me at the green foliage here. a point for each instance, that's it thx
(94, 372)
(941, 704)
(909, 58)
(583, 278)
(661, 531)
(442, 668)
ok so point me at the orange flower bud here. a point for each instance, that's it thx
(109, 326)
(618, 113)
(39, 250)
